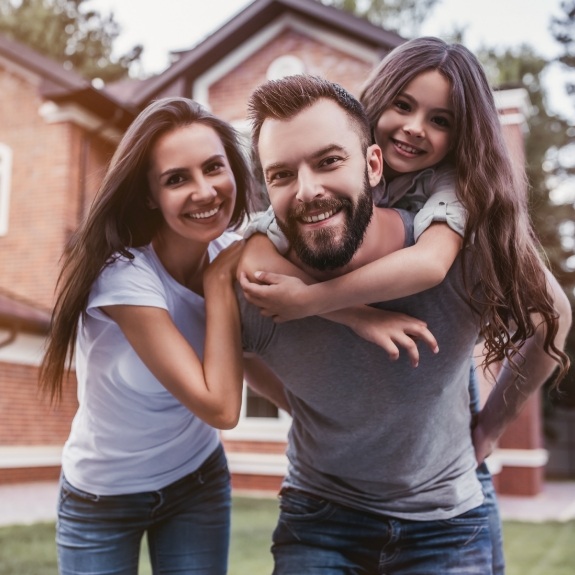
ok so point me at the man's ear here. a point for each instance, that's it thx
(374, 160)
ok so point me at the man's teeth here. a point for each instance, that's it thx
(407, 148)
(204, 215)
(318, 217)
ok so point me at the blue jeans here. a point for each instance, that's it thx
(316, 536)
(187, 525)
(488, 489)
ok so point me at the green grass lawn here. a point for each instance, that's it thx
(530, 548)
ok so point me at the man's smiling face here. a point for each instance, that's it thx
(319, 181)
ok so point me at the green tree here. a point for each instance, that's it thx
(402, 16)
(69, 32)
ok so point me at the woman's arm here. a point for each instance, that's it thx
(213, 391)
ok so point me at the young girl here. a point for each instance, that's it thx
(135, 294)
(433, 115)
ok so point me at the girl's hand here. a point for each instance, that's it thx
(278, 296)
(222, 270)
(483, 444)
(391, 331)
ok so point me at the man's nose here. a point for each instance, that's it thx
(309, 186)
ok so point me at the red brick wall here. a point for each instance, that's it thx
(45, 190)
(229, 96)
(25, 417)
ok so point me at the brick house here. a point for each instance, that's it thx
(56, 134)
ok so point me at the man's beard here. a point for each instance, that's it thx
(321, 249)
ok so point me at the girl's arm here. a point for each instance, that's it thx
(213, 391)
(389, 330)
(508, 396)
(284, 295)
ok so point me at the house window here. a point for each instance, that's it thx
(260, 420)
(5, 177)
(283, 66)
(258, 406)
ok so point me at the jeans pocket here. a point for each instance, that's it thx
(67, 490)
(301, 506)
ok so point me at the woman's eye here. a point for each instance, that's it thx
(402, 105)
(174, 180)
(214, 167)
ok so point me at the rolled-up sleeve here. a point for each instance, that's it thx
(265, 223)
(442, 205)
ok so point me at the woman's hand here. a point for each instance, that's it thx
(222, 270)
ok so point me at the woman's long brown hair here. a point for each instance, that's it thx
(120, 219)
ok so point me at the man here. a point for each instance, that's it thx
(382, 466)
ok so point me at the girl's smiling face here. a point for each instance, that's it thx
(415, 132)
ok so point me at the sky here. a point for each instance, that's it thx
(171, 25)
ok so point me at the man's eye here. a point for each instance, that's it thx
(277, 176)
(330, 161)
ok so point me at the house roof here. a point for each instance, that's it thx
(16, 313)
(250, 21)
(65, 86)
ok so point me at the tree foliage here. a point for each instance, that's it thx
(401, 16)
(69, 32)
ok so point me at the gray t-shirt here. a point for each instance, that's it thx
(371, 433)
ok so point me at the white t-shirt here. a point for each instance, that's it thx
(130, 433)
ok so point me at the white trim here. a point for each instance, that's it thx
(22, 456)
(266, 35)
(5, 186)
(273, 464)
(508, 119)
(52, 113)
(515, 98)
(518, 458)
(26, 349)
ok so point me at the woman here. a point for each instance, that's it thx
(155, 332)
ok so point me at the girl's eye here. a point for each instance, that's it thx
(442, 121)
(404, 106)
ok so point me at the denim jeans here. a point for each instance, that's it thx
(486, 480)
(316, 536)
(187, 525)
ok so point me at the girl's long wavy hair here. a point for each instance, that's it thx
(120, 218)
(505, 248)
